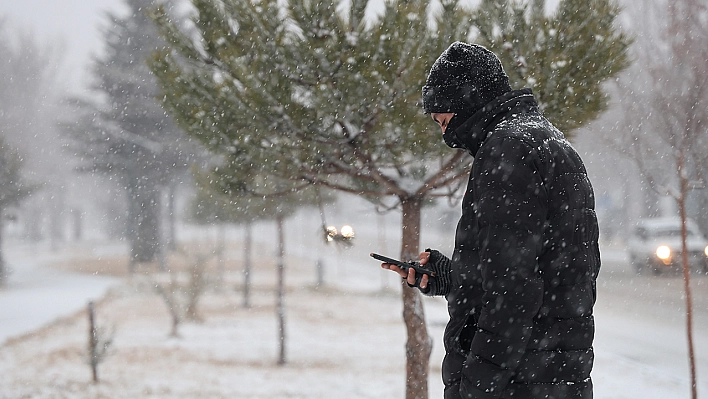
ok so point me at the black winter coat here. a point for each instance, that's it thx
(521, 283)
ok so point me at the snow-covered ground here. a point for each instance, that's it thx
(344, 340)
(36, 295)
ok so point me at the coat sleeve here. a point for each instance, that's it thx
(511, 206)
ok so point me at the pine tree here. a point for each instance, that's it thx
(565, 57)
(129, 137)
(13, 190)
(311, 91)
(22, 76)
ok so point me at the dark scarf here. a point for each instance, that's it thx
(468, 131)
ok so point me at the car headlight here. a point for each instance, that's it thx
(664, 252)
(706, 251)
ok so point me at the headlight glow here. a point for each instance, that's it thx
(347, 231)
(663, 252)
(706, 251)
(331, 232)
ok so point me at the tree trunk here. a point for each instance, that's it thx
(3, 275)
(418, 345)
(381, 227)
(161, 239)
(280, 305)
(171, 242)
(78, 224)
(319, 271)
(143, 224)
(248, 243)
(686, 271)
(57, 202)
(196, 288)
(221, 250)
(93, 343)
(34, 220)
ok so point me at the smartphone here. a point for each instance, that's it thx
(403, 265)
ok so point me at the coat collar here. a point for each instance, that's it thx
(472, 133)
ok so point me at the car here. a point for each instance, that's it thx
(655, 246)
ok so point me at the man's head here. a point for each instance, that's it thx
(463, 80)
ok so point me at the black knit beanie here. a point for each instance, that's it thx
(463, 80)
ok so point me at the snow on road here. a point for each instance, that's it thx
(641, 346)
(36, 295)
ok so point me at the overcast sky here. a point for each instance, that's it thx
(74, 26)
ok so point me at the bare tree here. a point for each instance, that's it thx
(25, 76)
(181, 296)
(247, 263)
(196, 286)
(665, 105)
(98, 343)
(280, 292)
(167, 293)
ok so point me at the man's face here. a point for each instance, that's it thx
(442, 119)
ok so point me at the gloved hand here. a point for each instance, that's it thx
(439, 264)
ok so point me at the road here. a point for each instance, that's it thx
(36, 295)
(641, 327)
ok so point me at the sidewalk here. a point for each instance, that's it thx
(36, 295)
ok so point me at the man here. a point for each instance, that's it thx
(520, 285)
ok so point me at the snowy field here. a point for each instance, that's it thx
(344, 339)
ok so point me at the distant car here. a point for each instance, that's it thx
(655, 246)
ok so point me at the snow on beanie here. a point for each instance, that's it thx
(463, 80)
